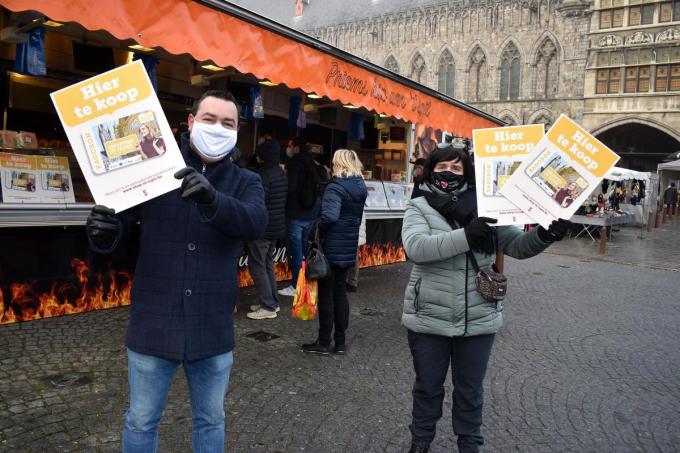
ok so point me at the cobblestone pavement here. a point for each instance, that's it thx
(588, 361)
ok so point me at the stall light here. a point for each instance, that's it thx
(212, 67)
(267, 83)
(383, 115)
(140, 48)
(350, 106)
(314, 96)
(49, 23)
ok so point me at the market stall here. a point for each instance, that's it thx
(602, 225)
(285, 81)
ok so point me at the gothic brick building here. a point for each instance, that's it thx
(612, 65)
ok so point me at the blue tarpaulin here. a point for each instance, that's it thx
(30, 56)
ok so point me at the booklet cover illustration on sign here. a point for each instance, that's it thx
(125, 141)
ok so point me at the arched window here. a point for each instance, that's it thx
(509, 120)
(447, 74)
(418, 68)
(543, 118)
(477, 75)
(546, 70)
(510, 69)
(391, 64)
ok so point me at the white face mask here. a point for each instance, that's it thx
(289, 152)
(212, 140)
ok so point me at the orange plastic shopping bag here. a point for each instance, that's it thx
(306, 295)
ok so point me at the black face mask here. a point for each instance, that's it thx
(447, 181)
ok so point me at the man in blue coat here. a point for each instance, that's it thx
(185, 283)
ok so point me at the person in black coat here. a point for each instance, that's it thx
(260, 251)
(302, 205)
(342, 206)
(185, 282)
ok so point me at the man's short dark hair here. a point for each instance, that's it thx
(219, 94)
(301, 142)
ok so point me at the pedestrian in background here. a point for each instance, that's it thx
(185, 283)
(261, 251)
(670, 199)
(447, 320)
(305, 180)
(341, 211)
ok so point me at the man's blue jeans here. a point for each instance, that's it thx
(149, 380)
(297, 239)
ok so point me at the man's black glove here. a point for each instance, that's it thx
(480, 235)
(455, 212)
(555, 232)
(102, 226)
(196, 186)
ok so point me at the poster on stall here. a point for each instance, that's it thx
(55, 184)
(397, 195)
(560, 173)
(120, 136)
(376, 195)
(19, 177)
(499, 151)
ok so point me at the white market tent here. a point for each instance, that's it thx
(669, 172)
(639, 211)
(622, 174)
(673, 166)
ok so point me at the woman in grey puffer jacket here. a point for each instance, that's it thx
(448, 321)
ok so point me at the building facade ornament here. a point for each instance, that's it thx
(639, 37)
(609, 41)
(671, 34)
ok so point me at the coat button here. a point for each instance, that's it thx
(191, 246)
(187, 292)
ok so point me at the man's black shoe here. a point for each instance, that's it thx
(316, 348)
(352, 289)
(417, 449)
(340, 349)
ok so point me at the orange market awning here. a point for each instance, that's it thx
(231, 36)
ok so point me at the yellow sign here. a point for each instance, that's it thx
(122, 146)
(102, 94)
(507, 141)
(17, 161)
(588, 151)
(52, 163)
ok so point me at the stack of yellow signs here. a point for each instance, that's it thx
(538, 179)
(35, 179)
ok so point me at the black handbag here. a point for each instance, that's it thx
(490, 283)
(318, 266)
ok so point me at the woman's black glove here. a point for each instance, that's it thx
(455, 212)
(196, 186)
(102, 226)
(555, 232)
(480, 235)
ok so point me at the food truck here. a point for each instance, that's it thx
(286, 82)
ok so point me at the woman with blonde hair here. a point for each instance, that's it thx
(342, 206)
(149, 144)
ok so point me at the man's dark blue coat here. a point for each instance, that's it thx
(186, 280)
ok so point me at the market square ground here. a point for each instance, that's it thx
(588, 361)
